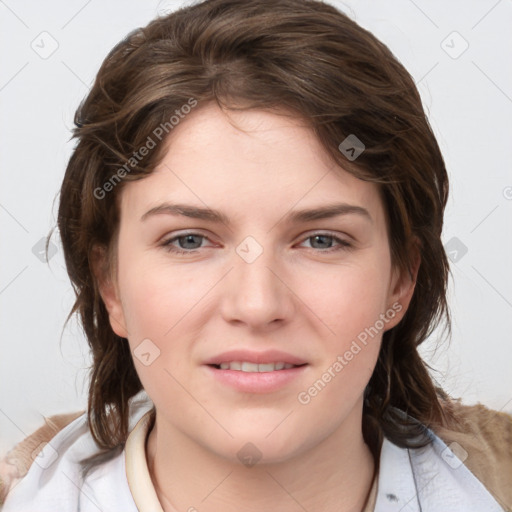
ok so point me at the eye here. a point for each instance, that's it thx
(324, 242)
(186, 243)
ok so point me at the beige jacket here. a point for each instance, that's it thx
(483, 434)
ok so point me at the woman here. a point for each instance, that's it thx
(279, 351)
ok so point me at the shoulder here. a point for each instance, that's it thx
(482, 439)
(16, 463)
(465, 465)
(61, 463)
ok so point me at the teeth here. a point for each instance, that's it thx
(244, 366)
(250, 367)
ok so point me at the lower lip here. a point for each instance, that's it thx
(256, 382)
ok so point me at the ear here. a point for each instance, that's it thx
(402, 285)
(108, 289)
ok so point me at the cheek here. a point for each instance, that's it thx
(155, 297)
(351, 304)
(157, 304)
(348, 299)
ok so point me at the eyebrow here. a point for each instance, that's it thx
(296, 216)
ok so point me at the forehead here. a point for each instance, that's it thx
(255, 135)
(245, 163)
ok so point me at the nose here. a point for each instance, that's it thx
(256, 294)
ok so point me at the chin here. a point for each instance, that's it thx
(254, 445)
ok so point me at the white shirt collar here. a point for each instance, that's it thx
(428, 479)
(139, 479)
(137, 473)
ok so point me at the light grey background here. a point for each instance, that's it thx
(468, 97)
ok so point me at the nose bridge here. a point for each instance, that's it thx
(255, 294)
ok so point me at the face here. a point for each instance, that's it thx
(216, 294)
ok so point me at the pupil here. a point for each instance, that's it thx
(189, 238)
(320, 237)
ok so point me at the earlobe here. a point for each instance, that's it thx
(108, 291)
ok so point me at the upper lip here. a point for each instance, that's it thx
(250, 356)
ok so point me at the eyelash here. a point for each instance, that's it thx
(342, 244)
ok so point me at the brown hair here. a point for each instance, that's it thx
(301, 55)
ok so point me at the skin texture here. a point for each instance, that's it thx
(296, 296)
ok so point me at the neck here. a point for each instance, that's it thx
(335, 475)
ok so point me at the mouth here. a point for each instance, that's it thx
(249, 367)
(256, 372)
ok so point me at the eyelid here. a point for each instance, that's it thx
(303, 236)
(327, 232)
(171, 237)
(337, 237)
